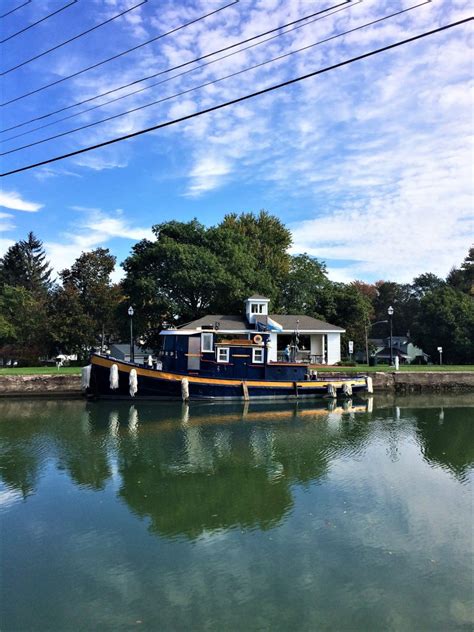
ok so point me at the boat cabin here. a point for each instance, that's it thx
(255, 345)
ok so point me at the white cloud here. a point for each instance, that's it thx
(93, 230)
(13, 200)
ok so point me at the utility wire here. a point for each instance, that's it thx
(50, 50)
(30, 26)
(15, 9)
(124, 96)
(246, 97)
(125, 52)
(345, 5)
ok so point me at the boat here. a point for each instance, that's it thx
(228, 358)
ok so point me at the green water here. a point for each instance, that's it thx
(222, 517)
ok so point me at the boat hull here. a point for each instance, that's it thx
(155, 384)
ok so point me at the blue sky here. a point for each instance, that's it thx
(370, 165)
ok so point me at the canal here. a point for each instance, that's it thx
(211, 517)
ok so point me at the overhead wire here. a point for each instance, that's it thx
(95, 107)
(345, 5)
(246, 97)
(71, 39)
(125, 52)
(46, 17)
(4, 15)
(211, 82)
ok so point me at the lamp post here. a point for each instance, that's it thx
(440, 351)
(390, 314)
(367, 326)
(132, 350)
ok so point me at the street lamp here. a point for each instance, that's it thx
(440, 351)
(132, 350)
(390, 314)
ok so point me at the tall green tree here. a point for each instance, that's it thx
(25, 264)
(190, 270)
(463, 278)
(88, 284)
(306, 287)
(446, 319)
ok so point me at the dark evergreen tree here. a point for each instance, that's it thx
(25, 265)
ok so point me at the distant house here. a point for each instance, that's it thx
(310, 339)
(407, 352)
(122, 352)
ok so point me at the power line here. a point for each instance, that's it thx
(72, 39)
(239, 99)
(30, 26)
(65, 118)
(125, 52)
(15, 9)
(345, 5)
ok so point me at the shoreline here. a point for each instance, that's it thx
(69, 386)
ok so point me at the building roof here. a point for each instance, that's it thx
(287, 321)
(258, 297)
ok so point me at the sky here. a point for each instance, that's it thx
(369, 165)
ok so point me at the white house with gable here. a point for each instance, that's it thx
(310, 339)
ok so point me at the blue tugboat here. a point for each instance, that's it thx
(222, 357)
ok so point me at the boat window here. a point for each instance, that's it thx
(223, 354)
(207, 343)
(256, 308)
(257, 356)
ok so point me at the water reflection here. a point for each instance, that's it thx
(191, 469)
(212, 517)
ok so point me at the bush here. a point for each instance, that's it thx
(346, 363)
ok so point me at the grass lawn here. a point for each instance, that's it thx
(363, 368)
(41, 370)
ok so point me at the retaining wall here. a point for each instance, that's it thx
(402, 382)
(40, 385)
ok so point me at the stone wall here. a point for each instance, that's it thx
(417, 381)
(402, 382)
(40, 385)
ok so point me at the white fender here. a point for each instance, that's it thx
(133, 382)
(185, 389)
(86, 377)
(347, 389)
(370, 385)
(332, 390)
(114, 377)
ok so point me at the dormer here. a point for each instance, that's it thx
(256, 305)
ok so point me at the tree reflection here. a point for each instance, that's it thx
(447, 438)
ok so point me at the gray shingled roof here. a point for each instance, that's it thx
(287, 321)
(258, 296)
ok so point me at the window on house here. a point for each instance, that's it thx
(257, 356)
(207, 343)
(256, 308)
(223, 354)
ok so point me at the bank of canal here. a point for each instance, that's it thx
(69, 385)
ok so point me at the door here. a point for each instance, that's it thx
(194, 353)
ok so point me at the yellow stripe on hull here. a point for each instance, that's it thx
(173, 377)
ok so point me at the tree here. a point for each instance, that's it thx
(446, 319)
(463, 278)
(191, 270)
(72, 330)
(305, 289)
(88, 284)
(24, 264)
(24, 324)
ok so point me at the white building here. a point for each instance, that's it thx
(310, 339)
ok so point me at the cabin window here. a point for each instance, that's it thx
(207, 343)
(256, 308)
(223, 354)
(257, 356)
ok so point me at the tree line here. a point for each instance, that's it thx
(188, 270)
